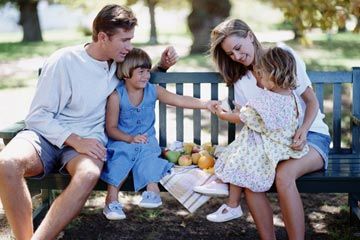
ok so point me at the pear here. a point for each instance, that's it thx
(172, 156)
(208, 147)
(195, 157)
(188, 147)
(204, 153)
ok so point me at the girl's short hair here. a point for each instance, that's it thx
(281, 66)
(229, 69)
(136, 58)
(111, 18)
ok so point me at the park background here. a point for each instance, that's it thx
(323, 32)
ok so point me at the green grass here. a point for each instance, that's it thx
(12, 49)
(330, 52)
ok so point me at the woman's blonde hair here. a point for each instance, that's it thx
(229, 69)
(281, 66)
(136, 58)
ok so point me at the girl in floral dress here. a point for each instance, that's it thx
(270, 122)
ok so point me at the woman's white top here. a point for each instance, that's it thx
(245, 88)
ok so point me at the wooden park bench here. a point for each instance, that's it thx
(342, 175)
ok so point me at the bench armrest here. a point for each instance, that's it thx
(355, 120)
(9, 132)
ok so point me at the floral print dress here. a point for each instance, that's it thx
(270, 122)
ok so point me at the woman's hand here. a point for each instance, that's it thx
(299, 139)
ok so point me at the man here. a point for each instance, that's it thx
(65, 125)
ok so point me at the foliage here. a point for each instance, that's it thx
(323, 14)
(86, 6)
(168, 4)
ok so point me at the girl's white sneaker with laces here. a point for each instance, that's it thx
(225, 213)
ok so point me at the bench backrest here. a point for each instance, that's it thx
(338, 117)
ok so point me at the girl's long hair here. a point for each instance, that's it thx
(229, 69)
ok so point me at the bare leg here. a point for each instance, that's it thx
(14, 193)
(234, 196)
(112, 194)
(153, 187)
(290, 201)
(85, 173)
(261, 212)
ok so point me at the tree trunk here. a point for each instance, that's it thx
(357, 27)
(153, 35)
(29, 21)
(205, 15)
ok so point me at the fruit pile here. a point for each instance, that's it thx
(190, 153)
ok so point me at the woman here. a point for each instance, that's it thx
(235, 50)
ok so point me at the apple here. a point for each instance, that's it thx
(172, 156)
(185, 160)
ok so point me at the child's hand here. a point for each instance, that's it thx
(237, 108)
(211, 105)
(219, 111)
(139, 138)
(299, 139)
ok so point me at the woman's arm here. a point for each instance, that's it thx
(312, 108)
(184, 101)
(112, 119)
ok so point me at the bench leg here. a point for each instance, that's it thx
(354, 199)
(47, 196)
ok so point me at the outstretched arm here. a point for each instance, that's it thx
(111, 122)
(232, 116)
(184, 101)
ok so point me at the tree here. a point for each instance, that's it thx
(29, 19)
(151, 4)
(205, 15)
(307, 14)
(355, 9)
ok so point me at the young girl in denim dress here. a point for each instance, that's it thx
(270, 122)
(132, 146)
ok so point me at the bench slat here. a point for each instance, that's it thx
(330, 77)
(197, 115)
(214, 118)
(186, 77)
(336, 116)
(231, 126)
(162, 121)
(319, 91)
(180, 115)
(356, 110)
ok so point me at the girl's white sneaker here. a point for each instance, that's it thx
(214, 189)
(225, 213)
